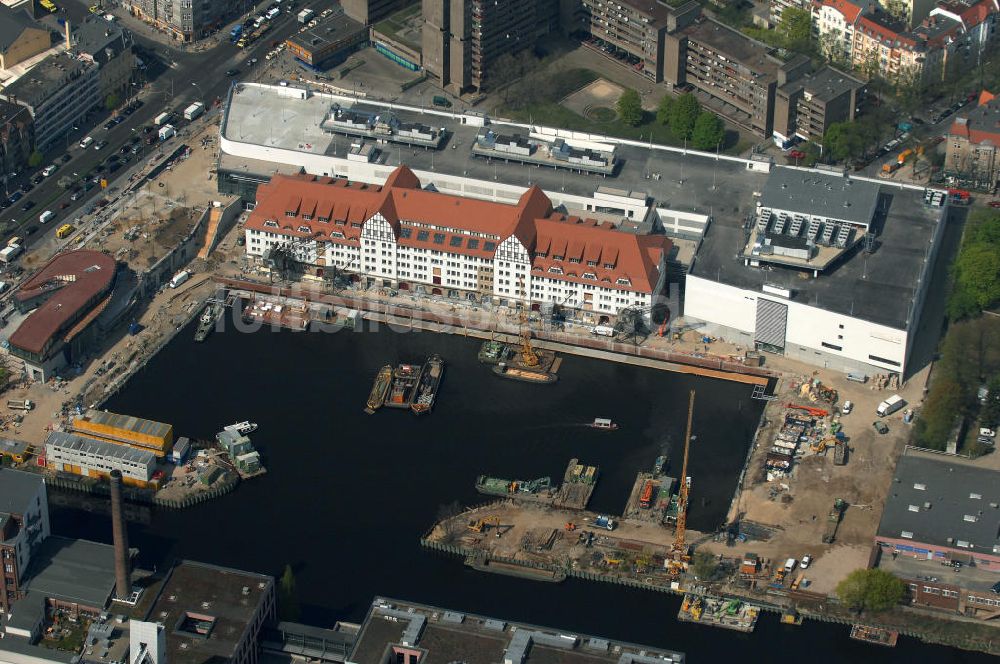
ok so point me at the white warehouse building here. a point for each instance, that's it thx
(402, 236)
(829, 270)
(72, 453)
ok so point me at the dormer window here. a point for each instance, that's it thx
(271, 223)
(557, 258)
(623, 281)
(289, 213)
(590, 275)
(609, 266)
(337, 234)
(591, 263)
(574, 260)
(540, 254)
(304, 229)
(555, 269)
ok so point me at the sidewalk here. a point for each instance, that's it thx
(163, 37)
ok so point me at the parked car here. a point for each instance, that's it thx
(994, 204)
(995, 588)
(100, 145)
(26, 187)
(880, 427)
(806, 562)
(232, 72)
(847, 407)
(76, 195)
(28, 205)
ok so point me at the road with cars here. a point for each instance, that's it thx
(171, 80)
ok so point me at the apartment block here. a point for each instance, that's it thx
(973, 151)
(58, 91)
(739, 74)
(185, 20)
(370, 11)
(807, 106)
(634, 26)
(24, 525)
(110, 48)
(833, 24)
(20, 37)
(17, 136)
(910, 12)
(462, 39)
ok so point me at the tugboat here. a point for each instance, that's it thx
(206, 323)
(430, 380)
(602, 423)
(405, 379)
(379, 389)
(494, 352)
(244, 428)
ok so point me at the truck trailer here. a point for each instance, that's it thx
(20, 404)
(306, 15)
(166, 131)
(161, 118)
(10, 252)
(194, 110)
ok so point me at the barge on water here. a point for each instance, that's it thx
(540, 490)
(876, 635)
(430, 382)
(730, 613)
(536, 376)
(212, 313)
(405, 379)
(380, 388)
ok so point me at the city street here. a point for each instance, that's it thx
(172, 79)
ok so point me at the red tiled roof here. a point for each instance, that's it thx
(875, 29)
(403, 203)
(633, 258)
(74, 279)
(981, 124)
(849, 10)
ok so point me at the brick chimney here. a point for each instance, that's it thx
(69, 42)
(123, 582)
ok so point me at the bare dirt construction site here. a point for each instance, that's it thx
(794, 510)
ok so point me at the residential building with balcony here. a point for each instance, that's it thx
(462, 39)
(17, 137)
(808, 106)
(973, 148)
(24, 525)
(740, 74)
(186, 20)
(367, 12)
(110, 48)
(833, 24)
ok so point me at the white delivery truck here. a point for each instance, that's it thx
(179, 278)
(45, 217)
(161, 118)
(604, 330)
(271, 13)
(10, 252)
(890, 406)
(166, 131)
(194, 110)
(306, 15)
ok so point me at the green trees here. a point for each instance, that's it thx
(708, 132)
(795, 30)
(288, 601)
(871, 590)
(630, 108)
(111, 101)
(683, 115)
(843, 140)
(990, 413)
(705, 566)
(976, 270)
(663, 110)
(35, 159)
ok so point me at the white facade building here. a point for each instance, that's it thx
(401, 236)
(833, 24)
(94, 458)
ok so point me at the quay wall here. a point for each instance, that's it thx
(221, 488)
(402, 317)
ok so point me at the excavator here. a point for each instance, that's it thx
(821, 446)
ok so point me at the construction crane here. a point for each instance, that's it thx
(678, 552)
(529, 357)
(631, 321)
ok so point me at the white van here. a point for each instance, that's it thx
(272, 13)
(44, 217)
(49, 170)
(890, 406)
(86, 142)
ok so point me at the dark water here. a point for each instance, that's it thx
(347, 495)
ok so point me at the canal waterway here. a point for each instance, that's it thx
(347, 495)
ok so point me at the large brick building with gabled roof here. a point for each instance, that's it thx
(402, 236)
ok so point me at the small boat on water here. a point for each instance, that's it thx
(243, 428)
(494, 352)
(526, 375)
(427, 389)
(876, 635)
(404, 385)
(603, 423)
(213, 312)
(380, 388)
